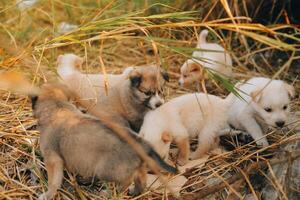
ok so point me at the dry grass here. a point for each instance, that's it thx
(123, 34)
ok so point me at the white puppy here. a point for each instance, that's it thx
(211, 56)
(185, 117)
(87, 86)
(265, 99)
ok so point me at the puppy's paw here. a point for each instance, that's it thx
(262, 142)
(133, 191)
(42, 197)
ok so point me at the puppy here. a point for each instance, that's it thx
(129, 100)
(188, 116)
(87, 86)
(85, 145)
(211, 56)
(262, 98)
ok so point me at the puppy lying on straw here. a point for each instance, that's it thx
(264, 102)
(211, 56)
(84, 144)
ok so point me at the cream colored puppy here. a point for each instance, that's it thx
(188, 116)
(86, 85)
(265, 99)
(211, 56)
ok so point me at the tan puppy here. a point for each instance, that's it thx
(127, 101)
(211, 56)
(85, 145)
(188, 116)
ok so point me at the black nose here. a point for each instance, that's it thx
(280, 124)
(158, 104)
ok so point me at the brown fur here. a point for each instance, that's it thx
(85, 145)
(184, 150)
(127, 103)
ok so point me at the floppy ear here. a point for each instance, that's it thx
(166, 137)
(194, 67)
(135, 78)
(290, 89)
(59, 59)
(256, 95)
(165, 76)
(78, 62)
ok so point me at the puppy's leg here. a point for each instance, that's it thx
(54, 166)
(254, 130)
(183, 145)
(140, 181)
(206, 141)
(122, 186)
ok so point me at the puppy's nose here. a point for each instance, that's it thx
(158, 104)
(280, 124)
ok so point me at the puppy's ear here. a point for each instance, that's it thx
(59, 59)
(78, 62)
(165, 76)
(135, 78)
(194, 67)
(256, 95)
(290, 89)
(166, 137)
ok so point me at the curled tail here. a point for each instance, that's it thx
(161, 162)
(202, 37)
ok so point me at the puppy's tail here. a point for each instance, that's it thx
(15, 82)
(202, 38)
(161, 162)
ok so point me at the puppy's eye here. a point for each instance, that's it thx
(284, 107)
(149, 93)
(184, 76)
(268, 109)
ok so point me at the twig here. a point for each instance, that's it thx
(252, 167)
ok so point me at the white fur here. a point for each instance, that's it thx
(187, 116)
(275, 94)
(88, 86)
(211, 56)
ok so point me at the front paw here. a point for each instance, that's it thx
(262, 142)
(133, 191)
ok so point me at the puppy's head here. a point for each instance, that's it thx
(69, 60)
(272, 102)
(147, 84)
(191, 72)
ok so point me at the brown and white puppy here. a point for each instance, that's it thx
(129, 100)
(211, 56)
(85, 145)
